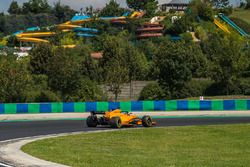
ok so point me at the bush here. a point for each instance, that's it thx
(180, 26)
(193, 88)
(152, 91)
(87, 91)
(245, 86)
(187, 37)
(48, 96)
(221, 88)
(201, 33)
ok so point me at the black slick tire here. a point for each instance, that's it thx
(92, 121)
(115, 122)
(146, 121)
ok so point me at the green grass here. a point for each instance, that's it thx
(242, 14)
(193, 146)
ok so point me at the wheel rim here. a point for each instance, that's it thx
(149, 121)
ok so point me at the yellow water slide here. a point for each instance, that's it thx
(33, 40)
(35, 34)
(137, 14)
(34, 37)
(67, 26)
(221, 26)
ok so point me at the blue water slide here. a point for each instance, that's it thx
(80, 17)
(232, 24)
(18, 32)
(109, 18)
(175, 38)
(33, 29)
(85, 30)
(85, 35)
(126, 14)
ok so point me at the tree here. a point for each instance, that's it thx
(2, 23)
(202, 9)
(36, 6)
(247, 4)
(116, 75)
(152, 91)
(63, 12)
(226, 60)
(40, 57)
(172, 62)
(14, 8)
(149, 6)
(121, 62)
(15, 80)
(112, 9)
(63, 71)
(180, 26)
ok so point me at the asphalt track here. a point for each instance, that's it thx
(13, 130)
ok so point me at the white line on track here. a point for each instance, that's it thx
(4, 165)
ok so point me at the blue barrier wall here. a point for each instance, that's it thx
(169, 105)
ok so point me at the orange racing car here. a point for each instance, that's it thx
(118, 119)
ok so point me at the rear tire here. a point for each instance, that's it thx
(92, 121)
(146, 121)
(116, 122)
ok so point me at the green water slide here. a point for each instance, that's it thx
(233, 25)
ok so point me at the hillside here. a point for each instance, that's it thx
(242, 14)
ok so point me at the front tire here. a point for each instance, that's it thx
(146, 121)
(92, 121)
(116, 122)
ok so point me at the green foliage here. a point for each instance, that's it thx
(15, 80)
(187, 37)
(148, 47)
(247, 4)
(201, 9)
(176, 62)
(112, 9)
(63, 71)
(149, 6)
(194, 88)
(14, 8)
(36, 6)
(39, 58)
(68, 39)
(172, 65)
(152, 91)
(47, 96)
(244, 85)
(63, 12)
(201, 33)
(87, 91)
(226, 60)
(180, 26)
(121, 62)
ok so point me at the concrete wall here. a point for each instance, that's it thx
(136, 88)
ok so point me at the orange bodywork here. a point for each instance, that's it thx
(126, 118)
